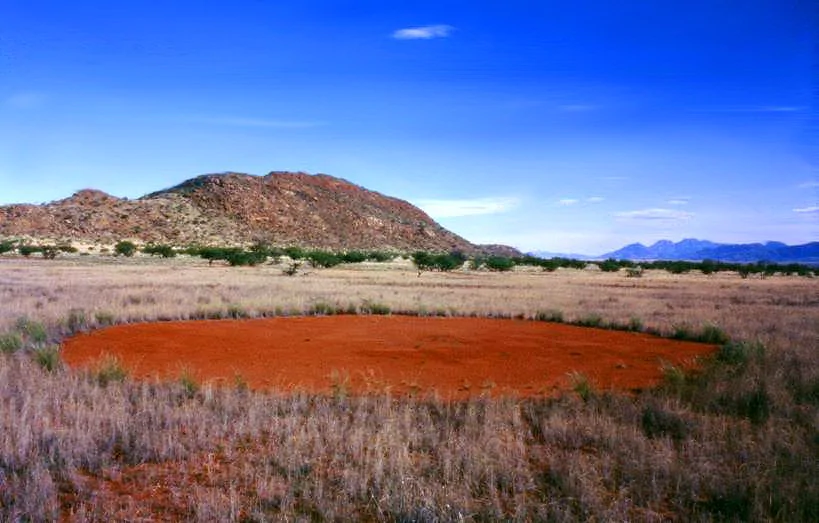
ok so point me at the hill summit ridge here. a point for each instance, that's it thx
(281, 207)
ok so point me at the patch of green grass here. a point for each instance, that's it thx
(34, 331)
(581, 385)
(551, 315)
(110, 370)
(10, 342)
(372, 307)
(188, 382)
(48, 358)
(104, 318)
(739, 352)
(712, 334)
(590, 320)
(76, 321)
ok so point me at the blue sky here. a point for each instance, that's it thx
(560, 126)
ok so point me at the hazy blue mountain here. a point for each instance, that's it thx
(696, 250)
(687, 249)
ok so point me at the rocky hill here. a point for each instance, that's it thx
(282, 208)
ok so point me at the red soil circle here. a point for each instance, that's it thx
(454, 357)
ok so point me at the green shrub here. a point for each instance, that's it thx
(10, 342)
(371, 307)
(581, 385)
(76, 321)
(425, 261)
(6, 246)
(553, 315)
(188, 382)
(165, 251)
(739, 353)
(28, 250)
(110, 370)
(104, 318)
(323, 259)
(245, 258)
(295, 253)
(34, 331)
(499, 263)
(353, 257)
(590, 320)
(609, 265)
(380, 256)
(48, 358)
(125, 248)
(712, 334)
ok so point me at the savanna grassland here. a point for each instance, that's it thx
(738, 440)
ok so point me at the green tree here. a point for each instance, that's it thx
(125, 248)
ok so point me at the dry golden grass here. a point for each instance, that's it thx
(739, 441)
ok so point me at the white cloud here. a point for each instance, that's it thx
(752, 109)
(567, 201)
(423, 33)
(677, 201)
(595, 199)
(809, 185)
(28, 100)
(811, 209)
(467, 207)
(655, 215)
(256, 122)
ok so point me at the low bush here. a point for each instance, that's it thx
(499, 263)
(164, 251)
(48, 358)
(125, 248)
(10, 342)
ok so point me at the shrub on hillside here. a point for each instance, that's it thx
(165, 251)
(6, 246)
(28, 250)
(425, 261)
(241, 258)
(499, 263)
(125, 248)
(323, 259)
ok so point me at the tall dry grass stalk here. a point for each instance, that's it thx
(737, 442)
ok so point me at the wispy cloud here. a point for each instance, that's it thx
(467, 207)
(567, 201)
(751, 109)
(423, 33)
(595, 199)
(656, 214)
(677, 201)
(804, 210)
(255, 122)
(27, 100)
(809, 185)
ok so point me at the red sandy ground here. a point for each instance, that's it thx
(455, 357)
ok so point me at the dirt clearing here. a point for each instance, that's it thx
(455, 357)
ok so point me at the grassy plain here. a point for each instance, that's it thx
(738, 441)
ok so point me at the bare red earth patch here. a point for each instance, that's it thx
(456, 357)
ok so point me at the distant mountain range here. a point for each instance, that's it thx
(698, 250)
